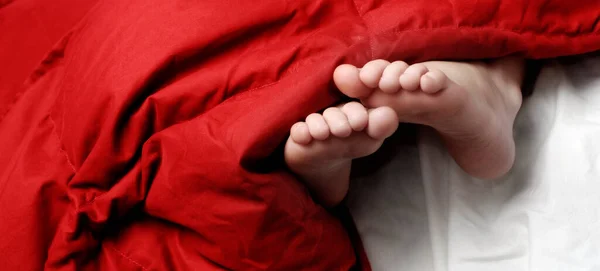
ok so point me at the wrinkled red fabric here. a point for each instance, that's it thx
(146, 134)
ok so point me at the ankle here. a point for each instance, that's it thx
(508, 75)
(510, 70)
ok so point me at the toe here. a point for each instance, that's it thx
(389, 82)
(337, 122)
(371, 73)
(317, 126)
(300, 134)
(411, 78)
(347, 80)
(357, 115)
(383, 122)
(433, 81)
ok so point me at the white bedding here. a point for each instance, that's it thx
(418, 211)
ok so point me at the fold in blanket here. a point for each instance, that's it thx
(149, 137)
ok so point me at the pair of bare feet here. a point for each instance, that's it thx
(471, 105)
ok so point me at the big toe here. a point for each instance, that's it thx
(347, 80)
(383, 122)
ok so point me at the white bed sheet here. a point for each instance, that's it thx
(416, 210)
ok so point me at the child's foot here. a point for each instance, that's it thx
(471, 105)
(320, 150)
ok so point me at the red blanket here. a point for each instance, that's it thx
(148, 133)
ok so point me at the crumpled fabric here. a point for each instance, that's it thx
(416, 208)
(148, 135)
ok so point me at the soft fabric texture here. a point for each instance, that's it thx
(148, 137)
(417, 209)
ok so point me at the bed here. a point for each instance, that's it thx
(418, 211)
(147, 135)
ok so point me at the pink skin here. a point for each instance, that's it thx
(471, 105)
(321, 148)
